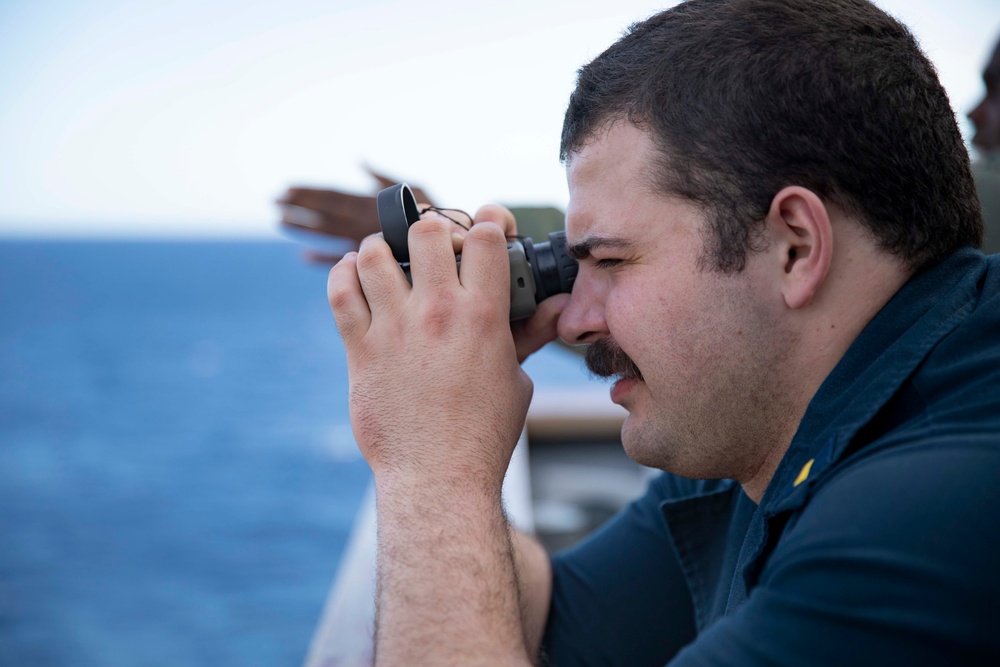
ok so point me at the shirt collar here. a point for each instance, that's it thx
(929, 306)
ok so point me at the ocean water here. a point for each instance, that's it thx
(177, 471)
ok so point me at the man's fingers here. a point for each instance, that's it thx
(533, 333)
(350, 308)
(485, 263)
(382, 281)
(432, 254)
(498, 214)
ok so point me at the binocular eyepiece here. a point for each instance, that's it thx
(537, 270)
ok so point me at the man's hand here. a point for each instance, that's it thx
(435, 384)
(531, 334)
(437, 401)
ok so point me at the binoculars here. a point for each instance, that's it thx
(537, 270)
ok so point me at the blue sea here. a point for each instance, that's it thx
(177, 471)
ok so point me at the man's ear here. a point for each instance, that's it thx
(802, 239)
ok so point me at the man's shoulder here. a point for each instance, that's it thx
(940, 430)
(891, 561)
(929, 473)
(918, 481)
(915, 522)
(959, 381)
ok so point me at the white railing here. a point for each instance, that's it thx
(343, 636)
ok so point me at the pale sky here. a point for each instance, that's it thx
(189, 117)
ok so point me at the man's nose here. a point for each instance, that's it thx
(582, 321)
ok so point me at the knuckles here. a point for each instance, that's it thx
(439, 315)
(430, 226)
(487, 234)
(499, 215)
(373, 255)
(340, 298)
(340, 283)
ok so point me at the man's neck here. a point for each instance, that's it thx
(861, 281)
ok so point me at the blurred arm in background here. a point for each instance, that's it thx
(317, 215)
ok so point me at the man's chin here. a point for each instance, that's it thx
(637, 444)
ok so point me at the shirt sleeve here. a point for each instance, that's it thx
(619, 598)
(892, 562)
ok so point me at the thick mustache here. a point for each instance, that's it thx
(605, 359)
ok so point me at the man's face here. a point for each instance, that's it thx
(700, 351)
(986, 116)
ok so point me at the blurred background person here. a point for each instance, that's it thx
(985, 117)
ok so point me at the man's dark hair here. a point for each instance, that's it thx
(745, 97)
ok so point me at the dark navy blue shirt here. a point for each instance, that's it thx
(877, 541)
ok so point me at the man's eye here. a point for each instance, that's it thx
(607, 263)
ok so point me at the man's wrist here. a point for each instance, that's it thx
(434, 469)
(408, 492)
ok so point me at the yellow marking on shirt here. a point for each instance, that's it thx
(805, 472)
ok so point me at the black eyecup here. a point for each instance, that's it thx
(397, 210)
(553, 269)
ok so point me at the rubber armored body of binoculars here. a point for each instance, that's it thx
(537, 270)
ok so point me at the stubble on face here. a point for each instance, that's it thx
(736, 402)
(713, 403)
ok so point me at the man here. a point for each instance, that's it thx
(776, 225)
(986, 119)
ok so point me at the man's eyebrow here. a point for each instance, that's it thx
(582, 250)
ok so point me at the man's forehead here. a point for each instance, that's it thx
(606, 175)
(616, 144)
(585, 213)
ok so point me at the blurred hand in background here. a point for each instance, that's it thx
(312, 214)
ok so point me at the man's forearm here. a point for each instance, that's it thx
(447, 580)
